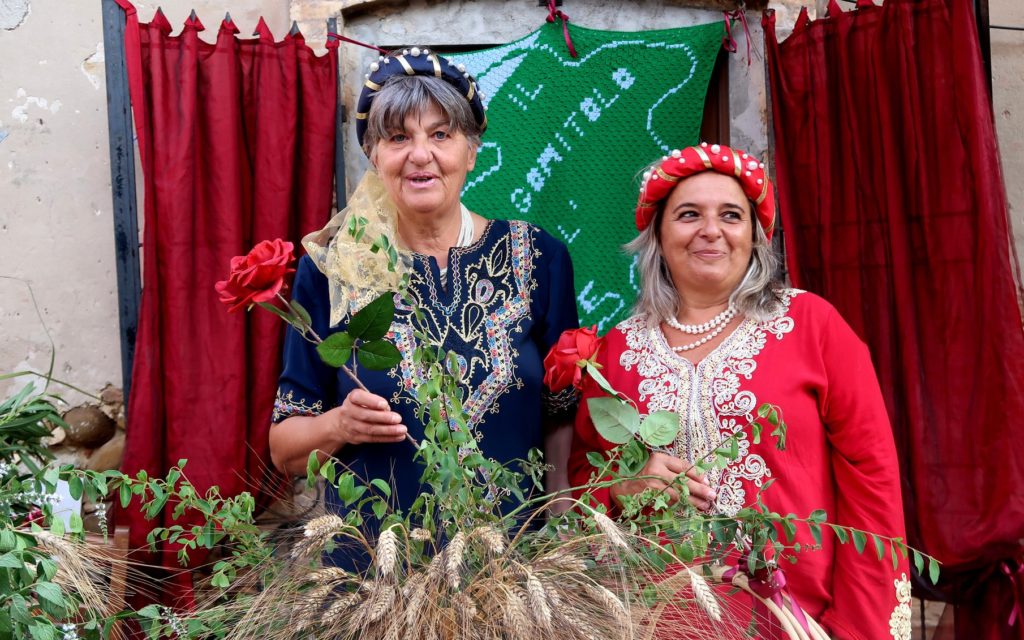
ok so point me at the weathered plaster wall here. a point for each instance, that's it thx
(56, 229)
(1008, 104)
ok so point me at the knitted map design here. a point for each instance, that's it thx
(568, 137)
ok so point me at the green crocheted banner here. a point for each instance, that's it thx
(567, 138)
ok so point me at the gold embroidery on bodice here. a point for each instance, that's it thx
(708, 397)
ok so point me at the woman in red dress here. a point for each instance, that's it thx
(714, 335)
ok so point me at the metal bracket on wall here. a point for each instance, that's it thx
(122, 186)
(339, 134)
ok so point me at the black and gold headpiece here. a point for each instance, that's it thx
(411, 62)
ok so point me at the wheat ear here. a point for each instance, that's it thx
(704, 596)
(453, 564)
(386, 553)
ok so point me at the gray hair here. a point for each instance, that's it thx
(402, 96)
(756, 296)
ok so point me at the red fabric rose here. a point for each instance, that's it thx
(259, 276)
(561, 365)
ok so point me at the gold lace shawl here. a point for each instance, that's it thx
(355, 274)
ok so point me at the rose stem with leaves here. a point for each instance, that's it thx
(307, 328)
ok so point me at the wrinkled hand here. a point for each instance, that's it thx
(365, 417)
(665, 469)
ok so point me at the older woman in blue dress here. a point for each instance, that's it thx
(496, 293)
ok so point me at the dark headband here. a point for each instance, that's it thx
(417, 62)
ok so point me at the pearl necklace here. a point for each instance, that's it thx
(465, 233)
(715, 325)
(707, 338)
(697, 329)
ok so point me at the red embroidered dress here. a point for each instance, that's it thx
(839, 457)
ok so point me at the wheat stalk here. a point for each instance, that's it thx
(493, 541)
(77, 568)
(538, 599)
(329, 575)
(464, 607)
(414, 600)
(309, 611)
(386, 553)
(579, 625)
(342, 605)
(515, 613)
(381, 597)
(704, 596)
(454, 560)
(436, 565)
(610, 531)
(316, 533)
(561, 560)
(607, 600)
(421, 535)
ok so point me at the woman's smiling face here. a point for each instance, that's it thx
(424, 165)
(706, 234)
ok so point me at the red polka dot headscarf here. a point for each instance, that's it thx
(683, 163)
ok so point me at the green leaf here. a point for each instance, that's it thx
(379, 355)
(57, 527)
(277, 311)
(328, 472)
(373, 321)
(615, 420)
(379, 508)
(841, 534)
(75, 522)
(150, 611)
(42, 630)
(933, 570)
(596, 459)
(11, 561)
(50, 592)
(303, 314)
(789, 528)
(918, 561)
(859, 540)
(818, 515)
(8, 540)
(336, 349)
(660, 428)
(382, 487)
(879, 546)
(815, 532)
(312, 466)
(75, 487)
(599, 378)
(126, 495)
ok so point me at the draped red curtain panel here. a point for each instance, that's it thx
(894, 208)
(236, 140)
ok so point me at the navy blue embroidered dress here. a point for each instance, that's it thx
(509, 296)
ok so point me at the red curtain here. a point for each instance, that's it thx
(894, 208)
(237, 146)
